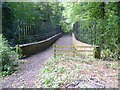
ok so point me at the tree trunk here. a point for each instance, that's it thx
(102, 16)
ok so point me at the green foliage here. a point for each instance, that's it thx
(64, 26)
(7, 22)
(17, 14)
(106, 14)
(106, 29)
(40, 11)
(8, 58)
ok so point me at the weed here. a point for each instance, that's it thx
(59, 69)
(8, 57)
(111, 65)
(46, 69)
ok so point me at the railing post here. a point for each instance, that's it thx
(54, 50)
(97, 52)
(19, 50)
(19, 34)
(73, 51)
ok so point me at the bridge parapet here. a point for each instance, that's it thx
(33, 48)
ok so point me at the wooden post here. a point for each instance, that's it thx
(19, 32)
(54, 50)
(19, 50)
(97, 52)
(73, 51)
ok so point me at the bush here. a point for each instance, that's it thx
(8, 58)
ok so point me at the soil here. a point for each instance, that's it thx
(94, 75)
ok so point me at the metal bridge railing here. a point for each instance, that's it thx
(31, 32)
(88, 31)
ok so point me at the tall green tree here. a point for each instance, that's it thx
(107, 17)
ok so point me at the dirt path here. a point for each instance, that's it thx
(66, 40)
(26, 76)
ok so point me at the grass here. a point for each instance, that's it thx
(61, 71)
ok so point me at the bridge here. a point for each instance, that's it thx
(36, 61)
(34, 38)
(39, 52)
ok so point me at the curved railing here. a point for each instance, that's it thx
(27, 32)
(33, 48)
(88, 31)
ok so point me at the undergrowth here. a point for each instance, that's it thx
(9, 58)
(61, 70)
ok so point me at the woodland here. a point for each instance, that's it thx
(98, 23)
